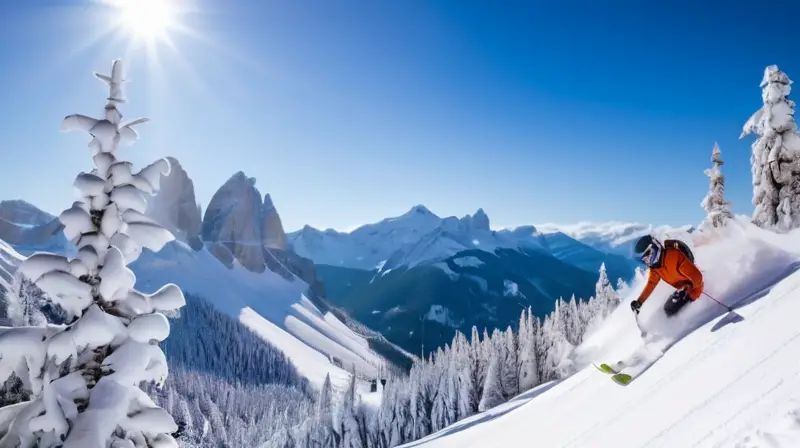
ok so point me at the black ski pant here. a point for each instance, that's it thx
(675, 302)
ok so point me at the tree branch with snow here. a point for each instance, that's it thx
(85, 376)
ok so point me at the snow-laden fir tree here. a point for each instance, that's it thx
(775, 155)
(492, 387)
(607, 297)
(714, 203)
(326, 435)
(463, 366)
(84, 376)
(349, 427)
(528, 372)
(510, 369)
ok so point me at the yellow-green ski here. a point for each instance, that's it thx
(622, 379)
(605, 368)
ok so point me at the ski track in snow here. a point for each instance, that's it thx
(720, 382)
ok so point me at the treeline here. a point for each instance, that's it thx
(463, 378)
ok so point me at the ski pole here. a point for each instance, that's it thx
(719, 303)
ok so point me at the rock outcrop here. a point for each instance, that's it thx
(175, 206)
(272, 229)
(234, 220)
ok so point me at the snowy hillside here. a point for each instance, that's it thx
(612, 237)
(706, 377)
(272, 307)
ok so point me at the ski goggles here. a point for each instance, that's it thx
(651, 254)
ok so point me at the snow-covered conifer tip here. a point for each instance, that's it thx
(775, 159)
(85, 376)
(714, 202)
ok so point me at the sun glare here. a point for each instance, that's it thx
(147, 20)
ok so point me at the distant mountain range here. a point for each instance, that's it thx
(417, 278)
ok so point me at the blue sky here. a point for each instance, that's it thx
(347, 112)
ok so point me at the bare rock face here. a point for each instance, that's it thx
(233, 219)
(175, 206)
(272, 230)
(237, 227)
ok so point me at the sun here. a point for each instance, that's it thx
(147, 20)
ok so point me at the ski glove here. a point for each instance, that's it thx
(635, 306)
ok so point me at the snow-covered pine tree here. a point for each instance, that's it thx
(443, 412)
(572, 321)
(420, 419)
(775, 158)
(326, 435)
(554, 348)
(492, 387)
(509, 373)
(604, 290)
(351, 437)
(528, 370)
(714, 203)
(111, 344)
(477, 368)
(184, 418)
(463, 366)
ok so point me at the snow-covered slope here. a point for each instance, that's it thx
(271, 306)
(613, 237)
(708, 378)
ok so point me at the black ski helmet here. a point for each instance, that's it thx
(643, 243)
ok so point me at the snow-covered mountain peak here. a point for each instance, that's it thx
(479, 221)
(417, 210)
(18, 211)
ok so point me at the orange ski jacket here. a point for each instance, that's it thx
(677, 271)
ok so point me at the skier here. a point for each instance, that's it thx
(672, 262)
